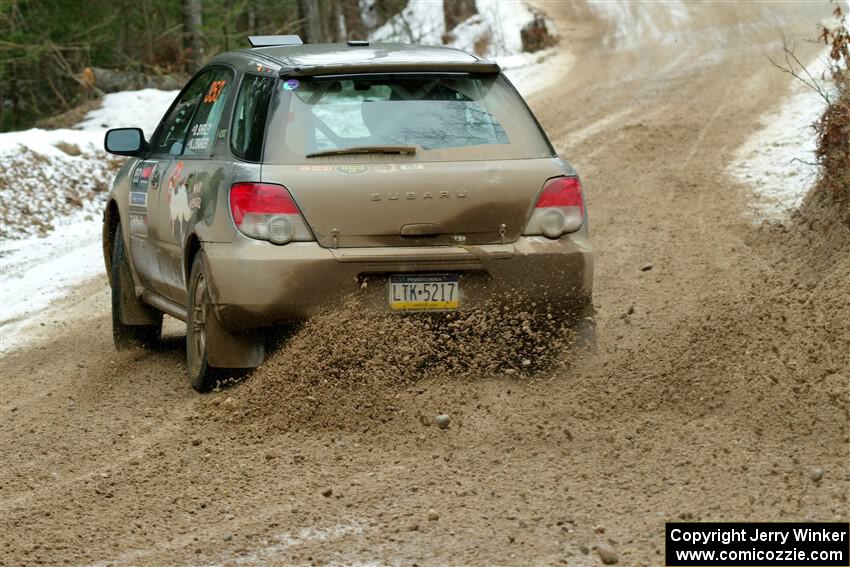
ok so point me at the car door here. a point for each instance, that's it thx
(166, 144)
(190, 175)
(141, 214)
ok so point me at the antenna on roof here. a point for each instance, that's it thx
(273, 40)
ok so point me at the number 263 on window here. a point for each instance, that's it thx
(214, 92)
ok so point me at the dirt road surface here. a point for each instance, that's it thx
(721, 380)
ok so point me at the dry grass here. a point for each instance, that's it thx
(70, 149)
(482, 44)
(830, 200)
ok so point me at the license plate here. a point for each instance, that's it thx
(424, 293)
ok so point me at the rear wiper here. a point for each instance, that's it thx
(409, 150)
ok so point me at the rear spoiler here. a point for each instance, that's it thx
(482, 67)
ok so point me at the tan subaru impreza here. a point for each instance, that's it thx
(287, 177)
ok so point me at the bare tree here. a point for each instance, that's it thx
(251, 12)
(355, 28)
(193, 41)
(456, 11)
(311, 22)
(333, 25)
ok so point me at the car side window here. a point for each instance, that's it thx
(204, 126)
(172, 131)
(249, 117)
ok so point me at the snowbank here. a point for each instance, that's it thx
(53, 185)
(38, 270)
(47, 142)
(421, 21)
(778, 161)
(51, 177)
(48, 177)
(142, 109)
(499, 24)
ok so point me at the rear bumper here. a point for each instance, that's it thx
(256, 284)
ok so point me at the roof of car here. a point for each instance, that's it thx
(328, 58)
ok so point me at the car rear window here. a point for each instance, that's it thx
(446, 117)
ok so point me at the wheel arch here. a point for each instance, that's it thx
(193, 246)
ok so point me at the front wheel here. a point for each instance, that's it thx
(134, 324)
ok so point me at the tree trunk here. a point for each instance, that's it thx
(13, 92)
(311, 22)
(355, 28)
(331, 20)
(193, 41)
(456, 11)
(252, 19)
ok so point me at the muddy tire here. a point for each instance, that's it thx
(202, 376)
(125, 305)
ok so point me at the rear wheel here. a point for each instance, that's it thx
(126, 306)
(201, 374)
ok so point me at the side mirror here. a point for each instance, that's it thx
(125, 141)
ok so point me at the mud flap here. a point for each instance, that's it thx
(231, 350)
(133, 311)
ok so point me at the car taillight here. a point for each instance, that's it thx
(267, 211)
(559, 209)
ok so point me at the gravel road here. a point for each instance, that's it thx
(720, 385)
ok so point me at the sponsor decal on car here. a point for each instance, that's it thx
(317, 168)
(179, 210)
(138, 205)
(199, 137)
(175, 179)
(214, 92)
(351, 168)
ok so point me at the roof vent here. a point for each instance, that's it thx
(358, 43)
(272, 40)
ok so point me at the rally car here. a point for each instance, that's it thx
(287, 177)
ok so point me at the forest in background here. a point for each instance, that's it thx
(57, 54)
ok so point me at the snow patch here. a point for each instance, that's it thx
(532, 72)
(46, 142)
(48, 175)
(36, 271)
(778, 161)
(142, 109)
(53, 186)
(421, 21)
(493, 33)
(275, 546)
(499, 23)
